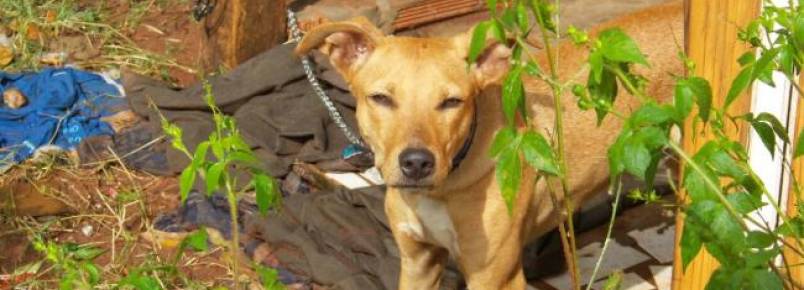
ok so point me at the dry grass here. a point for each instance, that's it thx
(40, 30)
(103, 205)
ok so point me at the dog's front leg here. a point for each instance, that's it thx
(422, 263)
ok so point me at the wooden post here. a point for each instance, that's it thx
(711, 42)
(792, 256)
(237, 30)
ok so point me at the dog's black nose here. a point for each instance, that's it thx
(416, 163)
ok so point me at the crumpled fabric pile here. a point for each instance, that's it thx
(64, 106)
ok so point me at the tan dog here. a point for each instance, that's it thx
(421, 111)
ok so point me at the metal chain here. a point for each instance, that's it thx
(202, 8)
(296, 36)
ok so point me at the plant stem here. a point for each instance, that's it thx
(711, 184)
(608, 233)
(628, 84)
(235, 243)
(569, 236)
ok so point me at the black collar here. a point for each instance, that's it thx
(456, 160)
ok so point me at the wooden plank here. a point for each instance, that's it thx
(237, 30)
(791, 256)
(711, 42)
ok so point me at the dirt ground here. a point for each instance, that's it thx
(109, 207)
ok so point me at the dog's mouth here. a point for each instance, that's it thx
(412, 186)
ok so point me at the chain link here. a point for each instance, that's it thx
(296, 36)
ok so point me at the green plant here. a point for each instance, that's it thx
(232, 157)
(74, 262)
(722, 187)
(139, 277)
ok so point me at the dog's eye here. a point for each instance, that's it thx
(451, 102)
(382, 100)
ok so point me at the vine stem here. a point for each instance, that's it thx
(613, 217)
(235, 243)
(569, 233)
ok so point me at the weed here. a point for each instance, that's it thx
(722, 187)
(74, 262)
(232, 156)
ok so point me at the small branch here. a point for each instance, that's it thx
(608, 234)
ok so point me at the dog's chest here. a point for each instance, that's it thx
(428, 221)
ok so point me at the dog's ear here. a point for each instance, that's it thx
(347, 43)
(493, 62)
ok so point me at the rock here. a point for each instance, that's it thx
(87, 230)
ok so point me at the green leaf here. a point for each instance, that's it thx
(538, 153)
(513, 92)
(186, 180)
(722, 279)
(503, 140)
(744, 203)
(498, 30)
(765, 66)
(794, 227)
(760, 257)
(636, 158)
(619, 47)
(682, 99)
(509, 174)
(787, 60)
(200, 155)
(138, 281)
(696, 185)
(245, 158)
(653, 137)
(798, 30)
(478, 42)
(265, 191)
(740, 83)
(616, 155)
(522, 17)
(799, 144)
(92, 271)
(747, 58)
(724, 164)
(764, 279)
(214, 176)
(543, 13)
(722, 235)
(690, 244)
(491, 5)
(603, 94)
(87, 253)
(651, 114)
(759, 240)
(614, 282)
(217, 148)
(508, 19)
(197, 240)
(703, 96)
(596, 66)
(269, 278)
(765, 133)
(777, 126)
(533, 68)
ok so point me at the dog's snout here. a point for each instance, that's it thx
(416, 163)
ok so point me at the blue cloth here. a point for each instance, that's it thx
(64, 107)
